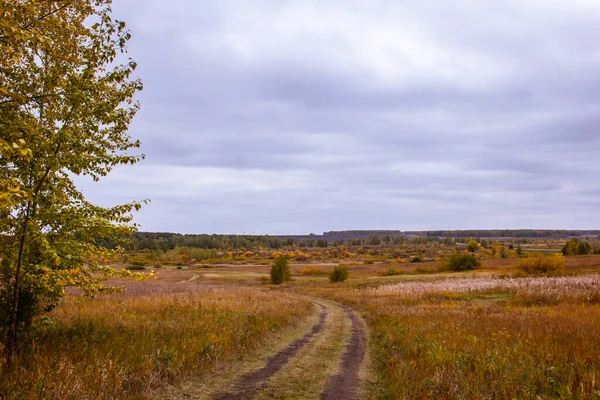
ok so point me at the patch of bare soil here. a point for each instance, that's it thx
(345, 384)
(247, 386)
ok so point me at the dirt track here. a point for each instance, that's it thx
(249, 384)
(340, 380)
(345, 384)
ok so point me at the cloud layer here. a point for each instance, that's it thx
(302, 116)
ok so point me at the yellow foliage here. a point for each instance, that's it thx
(541, 264)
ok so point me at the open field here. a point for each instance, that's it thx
(203, 331)
(134, 344)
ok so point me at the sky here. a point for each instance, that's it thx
(277, 117)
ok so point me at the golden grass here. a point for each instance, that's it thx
(226, 376)
(441, 340)
(132, 344)
(488, 343)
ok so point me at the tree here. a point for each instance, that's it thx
(472, 246)
(519, 250)
(576, 247)
(280, 270)
(66, 101)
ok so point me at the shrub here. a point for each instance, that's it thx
(137, 261)
(312, 271)
(368, 262)
(472, 246)
(415, 259)
(576, 247)
(280, 270)
(461, 262)
(391, 272)
(543, 265)
(338, 274)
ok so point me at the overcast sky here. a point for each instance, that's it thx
(274, 116)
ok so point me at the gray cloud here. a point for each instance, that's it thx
(295, 116)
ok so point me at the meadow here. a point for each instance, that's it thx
(155, 334)
(489, 333)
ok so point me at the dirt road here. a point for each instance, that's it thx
(322, 363)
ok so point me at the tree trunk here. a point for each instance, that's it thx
(11, 337)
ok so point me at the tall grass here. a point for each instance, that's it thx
(132, 344)
(545, 290)
(481, 338)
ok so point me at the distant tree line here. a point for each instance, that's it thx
(168, 241)
(508, 233)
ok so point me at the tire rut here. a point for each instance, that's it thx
(248, 385)
(345, 384)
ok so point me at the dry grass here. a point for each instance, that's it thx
(132, 344)
(480, 338)
(312, 271)
(442, 335)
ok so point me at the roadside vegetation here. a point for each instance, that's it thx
(133, 344)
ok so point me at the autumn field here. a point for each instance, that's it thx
(488, 333)
(134, 344)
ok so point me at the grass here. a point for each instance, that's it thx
(451, 350)
(313, 271)
(391, 272)
(433, 334)
(484, 338)
(133, 344)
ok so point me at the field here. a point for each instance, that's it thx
(395, 329)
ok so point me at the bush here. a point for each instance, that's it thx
(461, 262)
(137, 261)
(338, 274)
(472, 246)
(576, 247)
(415, 259)
(391, 272)
(543, 265)
(280, 270)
